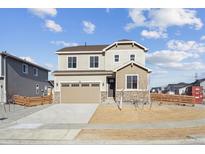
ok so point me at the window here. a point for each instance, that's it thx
(35, 71)
(25, 68)
(132, 57)
(37, 89)
(116, 58)
(132, 82)
(72, 62)
(74, 85)
(85, 85)
(93, 61)
(65, 84)
(95, 85)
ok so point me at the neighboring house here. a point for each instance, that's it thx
(179, 88)
(21, 77)
(157, 89)
(95, 73)
(200, 82)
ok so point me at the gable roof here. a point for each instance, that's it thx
(178, 85)
(133, 63)
(197, 82)
(84, 48)
(125, 41)
(98, 48)
(23, 60)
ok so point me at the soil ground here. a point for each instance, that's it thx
(110, 114)
(140, 134)
(129, 114)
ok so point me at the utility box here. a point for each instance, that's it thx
(197, 92)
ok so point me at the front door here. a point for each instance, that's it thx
(111, 87)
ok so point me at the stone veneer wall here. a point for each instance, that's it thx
(129, 96)
(103, 96)
(56, 97)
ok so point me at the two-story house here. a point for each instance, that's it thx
(95, 73)
(21, 77)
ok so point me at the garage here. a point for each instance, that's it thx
(80, 92)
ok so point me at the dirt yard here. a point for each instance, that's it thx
(140, 134)
(111, 114)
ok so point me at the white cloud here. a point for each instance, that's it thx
(153, 34)
(167, 56)
(165, 18)
(88, 27)
(28, 58)
(63, 43)
(202, 38)
(138, 18)
(53, 26)
(43, 12)
(49, 65)
(188, 46)
(161, 19)
(180, 55)
(183, 66)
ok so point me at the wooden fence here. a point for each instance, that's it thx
(32, 101)
(172, 98)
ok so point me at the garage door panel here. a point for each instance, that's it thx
(80, 94)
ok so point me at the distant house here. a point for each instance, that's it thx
(179, 88)
(21, 77)
(157, 89)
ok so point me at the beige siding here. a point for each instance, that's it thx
(83, 61)
(106, 62)
(124, 52)
(121, 77)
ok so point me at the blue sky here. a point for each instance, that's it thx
(175, 37)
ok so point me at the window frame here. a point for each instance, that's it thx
(94, 64)
(72, 62)
(132, 57)
(26, 68)
(118, 58)
(34, 71)
(132, 83)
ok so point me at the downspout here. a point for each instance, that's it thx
(5, 86)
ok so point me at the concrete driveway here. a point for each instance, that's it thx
(30, 127)
(61, 113)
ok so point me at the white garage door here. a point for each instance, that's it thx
(80, 93)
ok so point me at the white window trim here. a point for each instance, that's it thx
(118, 59)
(98, 63)
(137, 82)
(72, 68)
(26, 68)
(36, 71)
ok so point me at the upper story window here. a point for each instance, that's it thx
(117, 57)
(132, 81)
(72, 62)
(25, 68)
(132, 57)
(35, 71)
(94, 61)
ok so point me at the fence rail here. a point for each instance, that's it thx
(32, 101)
(172, 98)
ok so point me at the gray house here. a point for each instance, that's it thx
(21, 77)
